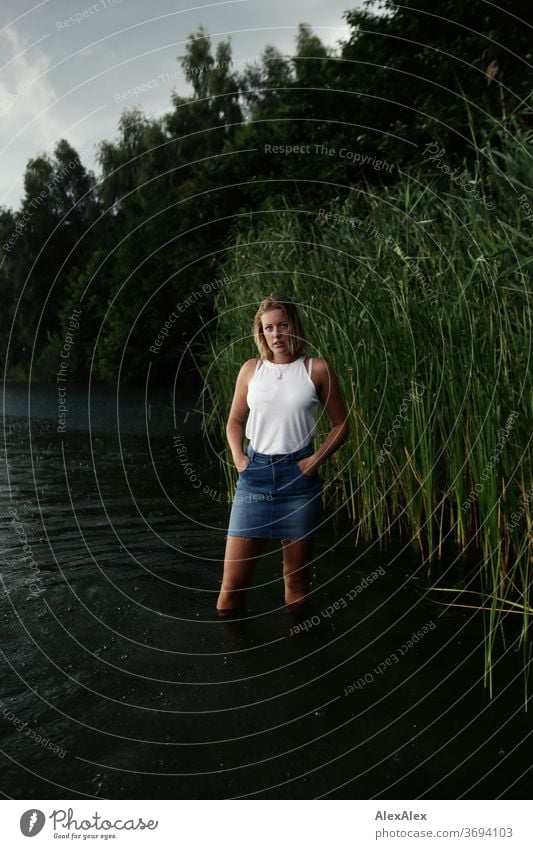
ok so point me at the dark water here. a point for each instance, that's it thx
(130, 684)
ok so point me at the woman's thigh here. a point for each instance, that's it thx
(240, 558)
(297, 554)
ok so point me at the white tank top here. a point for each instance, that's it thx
(282, 412)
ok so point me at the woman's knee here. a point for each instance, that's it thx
(235, 583)
(296, 578)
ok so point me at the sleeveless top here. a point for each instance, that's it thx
(282, 412)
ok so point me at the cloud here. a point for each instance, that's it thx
(26, 96)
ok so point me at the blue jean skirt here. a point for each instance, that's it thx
(274, 499)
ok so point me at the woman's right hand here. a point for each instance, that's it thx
(243, 463)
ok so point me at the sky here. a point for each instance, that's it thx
(69, 67)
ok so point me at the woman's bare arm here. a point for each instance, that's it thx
(238, 411)
(330, 396)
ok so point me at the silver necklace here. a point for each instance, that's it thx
(280, 375)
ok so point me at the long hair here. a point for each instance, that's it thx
(297, 341)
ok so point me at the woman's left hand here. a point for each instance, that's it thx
(308, 466)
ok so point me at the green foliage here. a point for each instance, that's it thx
(152, 230)
(46, 243)
(419, 297)
(417, 278)
(414, 65)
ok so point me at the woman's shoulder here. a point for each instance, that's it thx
(322, 372)
(246, 372)
(249, 366)
(319, 364)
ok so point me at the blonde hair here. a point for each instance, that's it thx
(297, 341)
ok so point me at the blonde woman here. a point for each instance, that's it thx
(279, 490)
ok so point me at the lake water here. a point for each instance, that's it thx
(119, 680)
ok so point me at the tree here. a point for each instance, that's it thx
(49, 229)
(417, 70)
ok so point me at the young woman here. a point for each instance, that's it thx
(279, 491)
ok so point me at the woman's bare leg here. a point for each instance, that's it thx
(296, 558)
(240, 558)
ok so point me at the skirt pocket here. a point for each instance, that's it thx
(305, 474)
(295, 482)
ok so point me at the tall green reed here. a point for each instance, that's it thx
(419, 297)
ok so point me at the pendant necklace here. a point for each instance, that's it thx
(280, 375)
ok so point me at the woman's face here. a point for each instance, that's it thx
(277, 330)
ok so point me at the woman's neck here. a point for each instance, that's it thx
(286, 361)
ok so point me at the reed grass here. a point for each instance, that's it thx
(444, 304)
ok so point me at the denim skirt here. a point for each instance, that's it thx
(274, 499)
